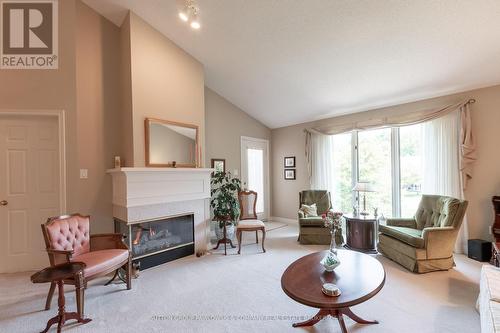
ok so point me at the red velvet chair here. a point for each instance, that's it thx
(68, 239)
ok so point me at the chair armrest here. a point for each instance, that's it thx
(59, 256)
(401, 222)
(439, 241)
(301, 214)
(107, 241)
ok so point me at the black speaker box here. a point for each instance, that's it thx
(479, 249)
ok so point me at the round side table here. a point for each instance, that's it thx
(59, 273)
(362, 233)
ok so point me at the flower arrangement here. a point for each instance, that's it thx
(333, 220)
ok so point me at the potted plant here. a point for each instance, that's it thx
(224, 202)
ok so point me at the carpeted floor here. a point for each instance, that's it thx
(242, 293)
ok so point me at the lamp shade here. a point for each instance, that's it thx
(364, 187)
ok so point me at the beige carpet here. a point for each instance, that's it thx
(242, 293)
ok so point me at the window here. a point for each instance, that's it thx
(342, 168)
(410, 150)
(256, 175)
(374, 164)
(390, 159)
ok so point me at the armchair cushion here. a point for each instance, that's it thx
(402, 222)
(71, 233)
(436, 211)
(101, 261)
(314, 221)
(248, 224)
(319, 197)
(409, 236)
(309, 210)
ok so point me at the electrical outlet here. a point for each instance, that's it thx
(84, 173)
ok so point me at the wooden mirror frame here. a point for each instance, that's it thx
(148, 121)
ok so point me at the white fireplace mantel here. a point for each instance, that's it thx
(141, 194)
(148, 186)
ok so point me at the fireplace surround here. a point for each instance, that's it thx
(147, 200)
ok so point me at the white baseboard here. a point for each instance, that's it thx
(283, 220)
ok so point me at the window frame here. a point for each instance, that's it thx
(395, 169)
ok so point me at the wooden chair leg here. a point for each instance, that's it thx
(256, 237)
(49, 296)
(80, 292)
(238, 236)
(263, 239)
(129, 273)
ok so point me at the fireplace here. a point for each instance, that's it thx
(158, 240)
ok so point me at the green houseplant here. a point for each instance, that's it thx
(224, 201)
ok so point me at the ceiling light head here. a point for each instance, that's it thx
(195, 23)
(184, 15)
(189, 13)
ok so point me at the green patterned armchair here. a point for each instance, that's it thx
(312, 229)
(425, 242)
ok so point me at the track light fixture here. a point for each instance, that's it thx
(190, 13)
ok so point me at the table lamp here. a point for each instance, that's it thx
(363, 187)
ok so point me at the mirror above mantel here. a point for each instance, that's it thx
(171, 144)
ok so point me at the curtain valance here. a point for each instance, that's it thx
(390, 121)
(466, 139)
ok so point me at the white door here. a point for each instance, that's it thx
(29, 188)
(255, 171)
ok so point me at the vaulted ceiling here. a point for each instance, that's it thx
(291, 61)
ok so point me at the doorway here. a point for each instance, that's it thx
(31, 185)
(255, 172)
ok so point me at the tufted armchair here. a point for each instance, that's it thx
(425, 242)
(312, 229)
(68, 239)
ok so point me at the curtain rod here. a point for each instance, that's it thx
(471, 101)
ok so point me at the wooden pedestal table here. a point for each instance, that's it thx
(224, 240)
(359, 278)
(59, 273)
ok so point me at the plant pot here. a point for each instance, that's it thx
(230, 230)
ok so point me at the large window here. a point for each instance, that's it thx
(374, 163)
(390, 159)
(342, 169)
(410, 150)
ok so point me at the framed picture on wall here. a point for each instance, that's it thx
(289, 162)
(219, 164)
(289, 174)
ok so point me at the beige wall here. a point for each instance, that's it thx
(225, 125)
(84, 87)
(52, 90)
(127, 149)
(167, 83)
(98, 112)
(486, 181)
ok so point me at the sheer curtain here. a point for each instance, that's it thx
(441, 162)
(321, 151)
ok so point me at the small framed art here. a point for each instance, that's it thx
(289, 174)
(219, 164)
(289, 162)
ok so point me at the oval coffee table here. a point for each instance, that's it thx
(359, 278)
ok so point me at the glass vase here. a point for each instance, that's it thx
(330, 261)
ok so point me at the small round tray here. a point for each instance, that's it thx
(331, 289)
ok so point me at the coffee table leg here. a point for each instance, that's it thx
(341, 321)
(354, 317)
(320, 315)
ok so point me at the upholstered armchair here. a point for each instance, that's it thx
(425, 242)
(68, 239)
(312, 229)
